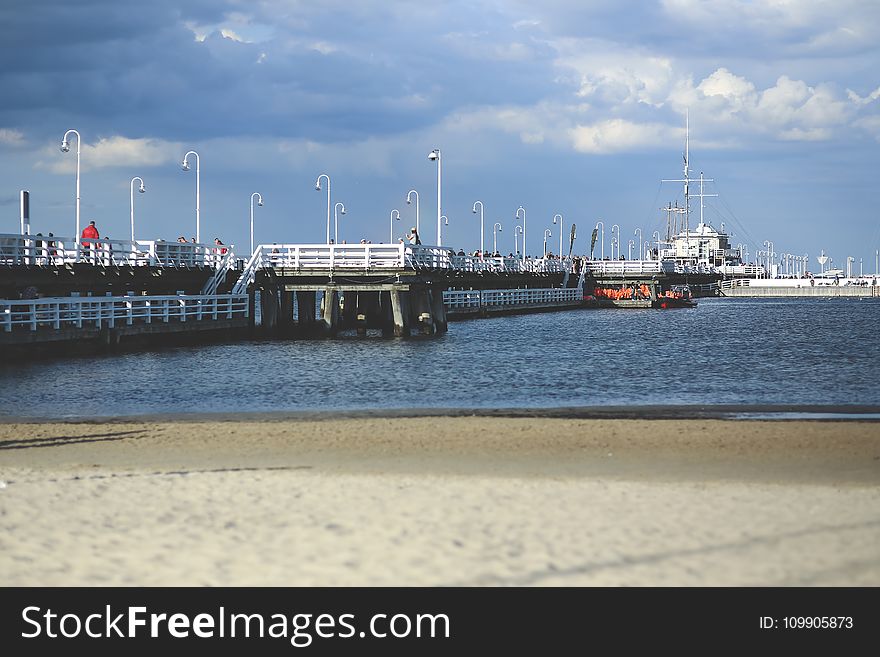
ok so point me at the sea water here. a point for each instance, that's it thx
(724, 351)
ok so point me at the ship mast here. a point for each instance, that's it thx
(687, 180)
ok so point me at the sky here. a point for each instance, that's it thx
(571, 107)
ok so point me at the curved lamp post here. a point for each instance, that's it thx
(602, 224)
(613, 226)
(481, 225)
(259, 197)
(517, 231)
(141, 189)
(629, 249)
(495, 237)
(393, 212)
(185, 166)
(639, 231)
(444, 220)
(547, 234)
(656, 236)
(435, 155)
(524, 228)
(561, 231)
(65, 147)
(409, 202)
(318, 188)
(336, 214)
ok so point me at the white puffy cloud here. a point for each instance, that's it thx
(11, 137)
(109, 152)
(617, 135)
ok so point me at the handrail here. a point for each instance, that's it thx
(66, 312)
(463, 299)
(49, 250)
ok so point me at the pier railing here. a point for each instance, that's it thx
(49, 250)
(75, 312)
(392, 256)
(464, 299)
(622, 267)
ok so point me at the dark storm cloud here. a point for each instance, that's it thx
(332, 72)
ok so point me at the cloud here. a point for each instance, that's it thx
(11, 137)
(858, 100)
(110, 152)
(617, 135)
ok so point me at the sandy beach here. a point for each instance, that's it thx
(437, 501)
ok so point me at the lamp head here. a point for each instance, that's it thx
(184, 165)
(408, 202)
(342, 211)
(433, 155)
(260, 202)
(318, 187)
(65, 146)
(554, 221)
(142, 189)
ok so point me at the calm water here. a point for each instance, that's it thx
(725, 351)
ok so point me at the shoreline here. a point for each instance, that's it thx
(730, 412)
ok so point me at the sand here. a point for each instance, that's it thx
(440, 501)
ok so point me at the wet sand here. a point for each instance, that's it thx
(439, 500)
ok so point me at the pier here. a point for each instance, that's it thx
(800, 287)
(106, 293)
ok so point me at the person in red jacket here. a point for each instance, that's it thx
(90, 232)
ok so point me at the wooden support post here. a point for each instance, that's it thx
(349, 309)
(285, 322)
(269, 308)
(422, 316)
(386, 314)
(305, 312)
(330, 311)
(400, 312)
(438, 309)
(252, 309)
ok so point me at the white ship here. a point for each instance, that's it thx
(703, 249)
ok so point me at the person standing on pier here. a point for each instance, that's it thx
(90, 233)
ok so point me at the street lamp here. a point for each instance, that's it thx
(481, 224)
(598, 224)
(318, 188)
(639, 231)
(409, 202)
(561, 231)
(629, 249)
(185, 166)
(495, 237)
(445, 220)
(517, 230)
(393, 212)
(141, 189)
(524, 228)
(613, 226)
(656, 236)
(435, 155)
(65, 147)
(547, 234)
(259, 198)
(336, 214)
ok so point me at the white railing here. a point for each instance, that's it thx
(463, 299)
(619, 267)
(392, 256)
(73, 312)
(50, 250)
